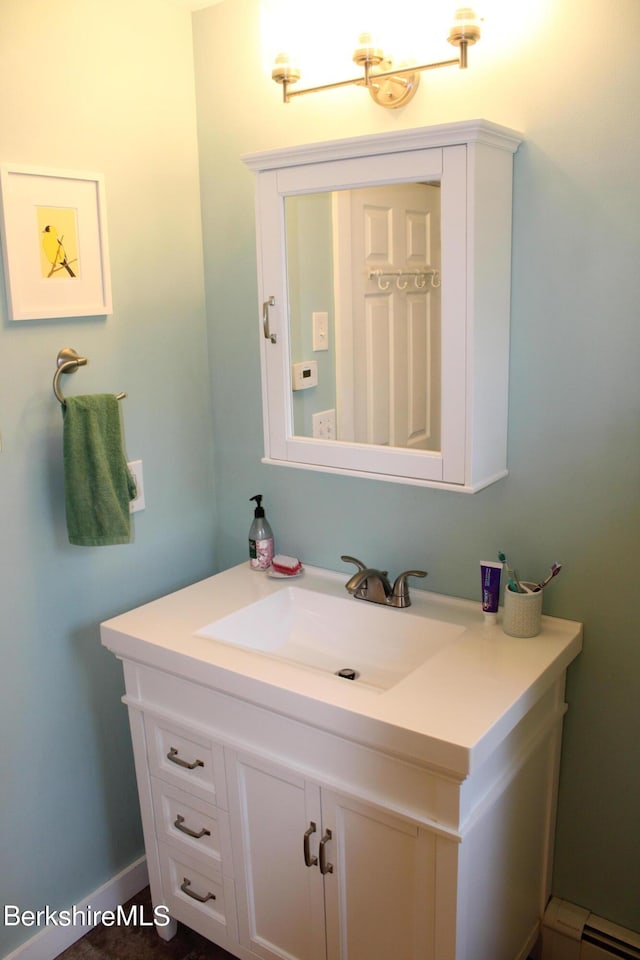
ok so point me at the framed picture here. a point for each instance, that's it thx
(54, 241)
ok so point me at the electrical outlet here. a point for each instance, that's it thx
(324, 424)
(135, 466)
(320, 327)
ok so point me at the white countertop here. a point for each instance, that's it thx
(451, 712)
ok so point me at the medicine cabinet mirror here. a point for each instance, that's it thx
(384, 287)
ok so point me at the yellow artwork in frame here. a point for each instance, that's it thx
(58, 233)
(54, 243)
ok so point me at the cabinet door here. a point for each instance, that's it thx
(280, 898)
(379, 895)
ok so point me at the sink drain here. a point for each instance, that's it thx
(347, 673)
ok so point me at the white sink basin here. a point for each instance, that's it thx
(328, 633)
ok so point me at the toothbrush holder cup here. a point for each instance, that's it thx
(522, 613)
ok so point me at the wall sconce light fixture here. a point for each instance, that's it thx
(388, 87)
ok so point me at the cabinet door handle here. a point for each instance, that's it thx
(185, 885)
(309, 861)
(271, 302)
(324, 866)
(173, 756)
(178, 824)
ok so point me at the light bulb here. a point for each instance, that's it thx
(368, 51)
(465, 27)
(285, 70)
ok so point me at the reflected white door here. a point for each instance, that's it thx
(388, 376)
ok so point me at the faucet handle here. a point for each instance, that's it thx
(400, 593)
(359, 564)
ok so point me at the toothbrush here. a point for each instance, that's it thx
(514, 584)
(555, 570)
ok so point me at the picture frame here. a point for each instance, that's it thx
(54, 243)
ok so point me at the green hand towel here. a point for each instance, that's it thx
(97, 482)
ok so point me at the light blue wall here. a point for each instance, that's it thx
(110, 88)
(107, 88)
(309, 231)
(573, 493)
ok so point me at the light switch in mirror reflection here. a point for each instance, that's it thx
(369, 258)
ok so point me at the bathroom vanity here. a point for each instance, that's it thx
(290, 813)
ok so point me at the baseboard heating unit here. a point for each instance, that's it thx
(573, 933)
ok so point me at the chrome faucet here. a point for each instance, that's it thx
(367, 583)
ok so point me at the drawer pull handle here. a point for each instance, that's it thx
(324, 866)
(178, 824)
(173, 756)
(308, 859)
(184, 886)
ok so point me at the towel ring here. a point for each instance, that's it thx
(68, 362)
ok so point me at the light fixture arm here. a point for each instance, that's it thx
(369, 77)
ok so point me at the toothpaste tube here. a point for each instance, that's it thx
(490, 572)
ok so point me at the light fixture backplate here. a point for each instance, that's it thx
(394, 92)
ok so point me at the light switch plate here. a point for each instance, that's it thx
(320, 327)
(135, 466)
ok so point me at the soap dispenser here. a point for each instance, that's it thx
(260, 538)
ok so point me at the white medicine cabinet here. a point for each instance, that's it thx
(384, 268)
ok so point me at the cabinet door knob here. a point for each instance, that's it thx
(308, 859)
(173, 756)
(324, 866)
(179, 825)
(186, 884)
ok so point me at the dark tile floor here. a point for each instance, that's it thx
(142, 942)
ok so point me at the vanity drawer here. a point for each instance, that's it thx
(203, 898)
(191, 825)
(188, 760)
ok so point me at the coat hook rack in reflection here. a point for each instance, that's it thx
(68, 362)
(421, 278)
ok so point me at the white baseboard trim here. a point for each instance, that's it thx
(49, 942)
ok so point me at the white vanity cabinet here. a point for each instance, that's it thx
(262, 857)
(181, 782)
(308, 853)
(292, 815)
